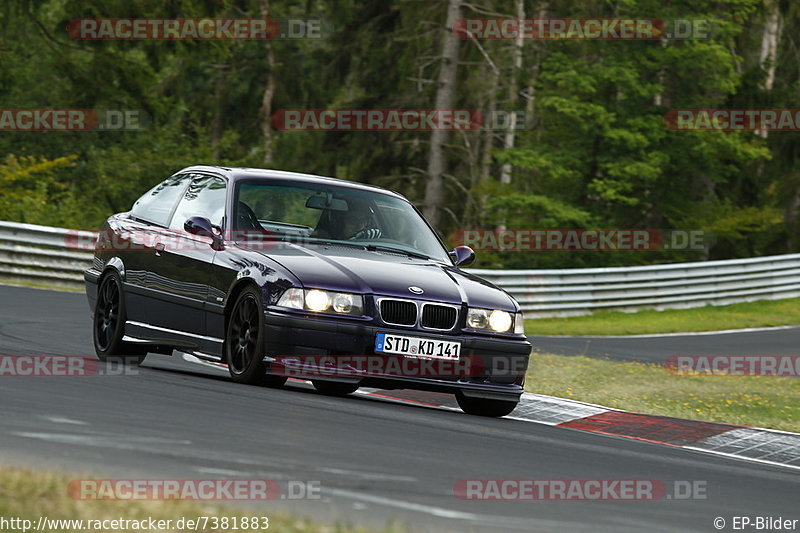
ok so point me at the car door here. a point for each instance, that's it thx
(181, 268)
(134, 244)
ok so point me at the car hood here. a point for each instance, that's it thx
(350, 269)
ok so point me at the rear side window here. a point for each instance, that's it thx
(157, 204)
(205, 197)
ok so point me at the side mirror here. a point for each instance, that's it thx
(463, 255)
(204, 228)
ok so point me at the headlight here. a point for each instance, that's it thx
(477, 318)
(319, 301)
(495, 320)
(343, 303)
(500, 321)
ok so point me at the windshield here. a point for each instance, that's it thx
(317, 213)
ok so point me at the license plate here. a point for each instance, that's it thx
(417, 347)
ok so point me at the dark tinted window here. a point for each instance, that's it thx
(205, 197)
(325, 212)
(157, 204)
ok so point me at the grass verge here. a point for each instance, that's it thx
(762, 401)
(763, 313)
(45, 286)
(29, 494)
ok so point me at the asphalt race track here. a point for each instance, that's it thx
(656, 348)
(375, 461)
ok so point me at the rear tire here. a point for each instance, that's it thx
(484, 407)
(333, 388)
(244, 341)
(108, 327)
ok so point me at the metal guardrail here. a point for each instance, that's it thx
(46, 255)
(580, 291)
(43, 255)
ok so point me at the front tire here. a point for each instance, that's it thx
(109, 324)
(484, 407)
(244, 341)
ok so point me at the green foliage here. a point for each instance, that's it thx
(596, 152)
(32, 193)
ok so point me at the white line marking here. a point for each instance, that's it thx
(103, 441)
(64, 420)
(492, 521)
(400, 504)
(566, 401)
(725, 454)
(222, 472)
(366, 475)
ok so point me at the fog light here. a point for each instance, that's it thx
(317, 300)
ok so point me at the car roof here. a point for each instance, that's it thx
(244, 173)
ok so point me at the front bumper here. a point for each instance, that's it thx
(496, 366)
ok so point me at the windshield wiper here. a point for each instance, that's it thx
(325, 242)
(381, 248)
(372, 248)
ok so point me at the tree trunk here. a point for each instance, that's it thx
(269, 93)
(513, 99)
(488, 133)
(474, 209)
(530, 104)
(658, 98)
(768, 57)
(445, 94)
(216, 121)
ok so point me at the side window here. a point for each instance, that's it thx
(156, 205)
(205, 197)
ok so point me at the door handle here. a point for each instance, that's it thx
(159, 248)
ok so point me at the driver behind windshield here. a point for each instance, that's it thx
(354, 224)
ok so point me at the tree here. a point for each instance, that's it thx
(445, 96)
